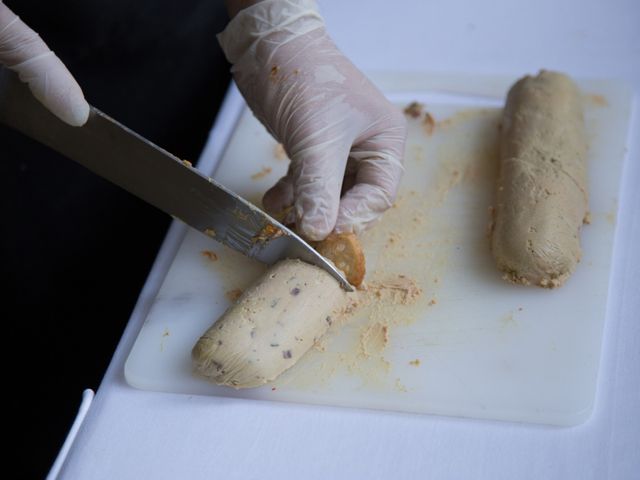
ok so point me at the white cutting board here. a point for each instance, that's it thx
(471, 345)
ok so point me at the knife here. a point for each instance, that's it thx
(123, 157)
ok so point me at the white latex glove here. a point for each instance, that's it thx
(22, 50)
(339, 131)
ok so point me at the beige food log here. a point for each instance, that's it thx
(541, 199)
(271, 326)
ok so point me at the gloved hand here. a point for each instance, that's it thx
(339, 131)
(22, 50)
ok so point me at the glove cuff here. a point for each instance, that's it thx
(253, 24)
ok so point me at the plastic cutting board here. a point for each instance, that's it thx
(470, 344)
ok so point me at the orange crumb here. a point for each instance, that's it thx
(234, 294)
(213, 256)
(414, 109)
(598, 100)
(261, 174)
(428, 123)
(273, 75)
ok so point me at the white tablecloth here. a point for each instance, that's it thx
(132, 434)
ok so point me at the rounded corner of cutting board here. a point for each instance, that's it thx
(578, 417)
(127, 373)
(131, 376)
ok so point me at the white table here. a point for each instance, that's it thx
(132, 434)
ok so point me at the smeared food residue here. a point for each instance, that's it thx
(414, 109)
(268, 232)
(466, 115)
(400, 386)
(398, 290)
(261, 174)
(508, 320)
(374, 339)
(598, 100)
(210, 255)
(285, 216)
(428, 123)
(415, 363)
(234, 294)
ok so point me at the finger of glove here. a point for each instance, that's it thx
(377, 181)
(23, 51)
(279, 198)
(317, 181)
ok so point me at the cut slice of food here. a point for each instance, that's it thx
(345, 251)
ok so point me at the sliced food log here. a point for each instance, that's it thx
(270, 327)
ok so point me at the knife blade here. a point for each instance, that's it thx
(125, 158)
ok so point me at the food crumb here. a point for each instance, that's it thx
(415, 363)
(268, 232)
(319, 346)
(433, 301)
(261, 174)
(273, 75)
(374, 339)
(187, 163)
(414, 109)
(273, 389)
(393, 238)
(400, 386)
(165, 333)
(234, 294)
(587, 218)
(428, 123)
(213, 256)
(210, 232)
(598, 100)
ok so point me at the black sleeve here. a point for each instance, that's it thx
(76, 249)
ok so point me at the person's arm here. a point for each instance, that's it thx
(22, 50)
(344, 139)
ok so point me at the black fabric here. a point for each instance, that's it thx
(76, 250)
